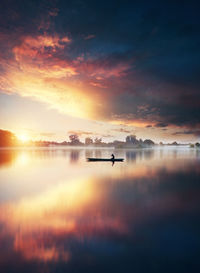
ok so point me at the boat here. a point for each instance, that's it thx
(105, 159)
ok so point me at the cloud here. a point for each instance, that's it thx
(80, 133)
(123, 130)
(98, 84)
(37, 55)
(161, 124)
(195, 132)
(90, 36)
(107, 135)
(54, 12)
(133, 74)
(47, 134)
(37, 68)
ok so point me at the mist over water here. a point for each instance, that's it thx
(60, 213)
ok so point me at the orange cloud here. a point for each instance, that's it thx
(39, 71)
(135, 123)
(36, 72)
(100, 69)
(98, 84)
(36, 55)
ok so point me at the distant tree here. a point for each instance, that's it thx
(7, 139)
(74, 139)
(88, 141)
(140, 141)
(117, 144)
(149, 142)
(98, 141)
(131, 139)
(64, 143)
(174, 143)
(197, 144)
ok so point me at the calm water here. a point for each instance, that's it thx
(59, 213)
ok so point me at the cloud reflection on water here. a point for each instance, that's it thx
(85, 214)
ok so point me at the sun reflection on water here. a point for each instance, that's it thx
(51, 203)
(22, 159)
(53, 212)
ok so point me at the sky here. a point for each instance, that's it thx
(100, 69)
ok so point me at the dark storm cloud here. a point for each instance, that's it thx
(161, 124)
(195, 132)
(141, 57)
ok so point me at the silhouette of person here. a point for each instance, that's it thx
(113, 157)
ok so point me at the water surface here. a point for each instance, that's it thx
(60, 213)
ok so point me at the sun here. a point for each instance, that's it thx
(23, 138)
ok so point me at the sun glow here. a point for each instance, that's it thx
(23, 138)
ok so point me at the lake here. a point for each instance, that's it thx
(60, 213)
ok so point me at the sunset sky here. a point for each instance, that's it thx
(101, 69)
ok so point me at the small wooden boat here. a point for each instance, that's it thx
(105, 159)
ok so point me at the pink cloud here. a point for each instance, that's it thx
(90, 36)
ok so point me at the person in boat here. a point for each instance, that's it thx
(112, 157)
